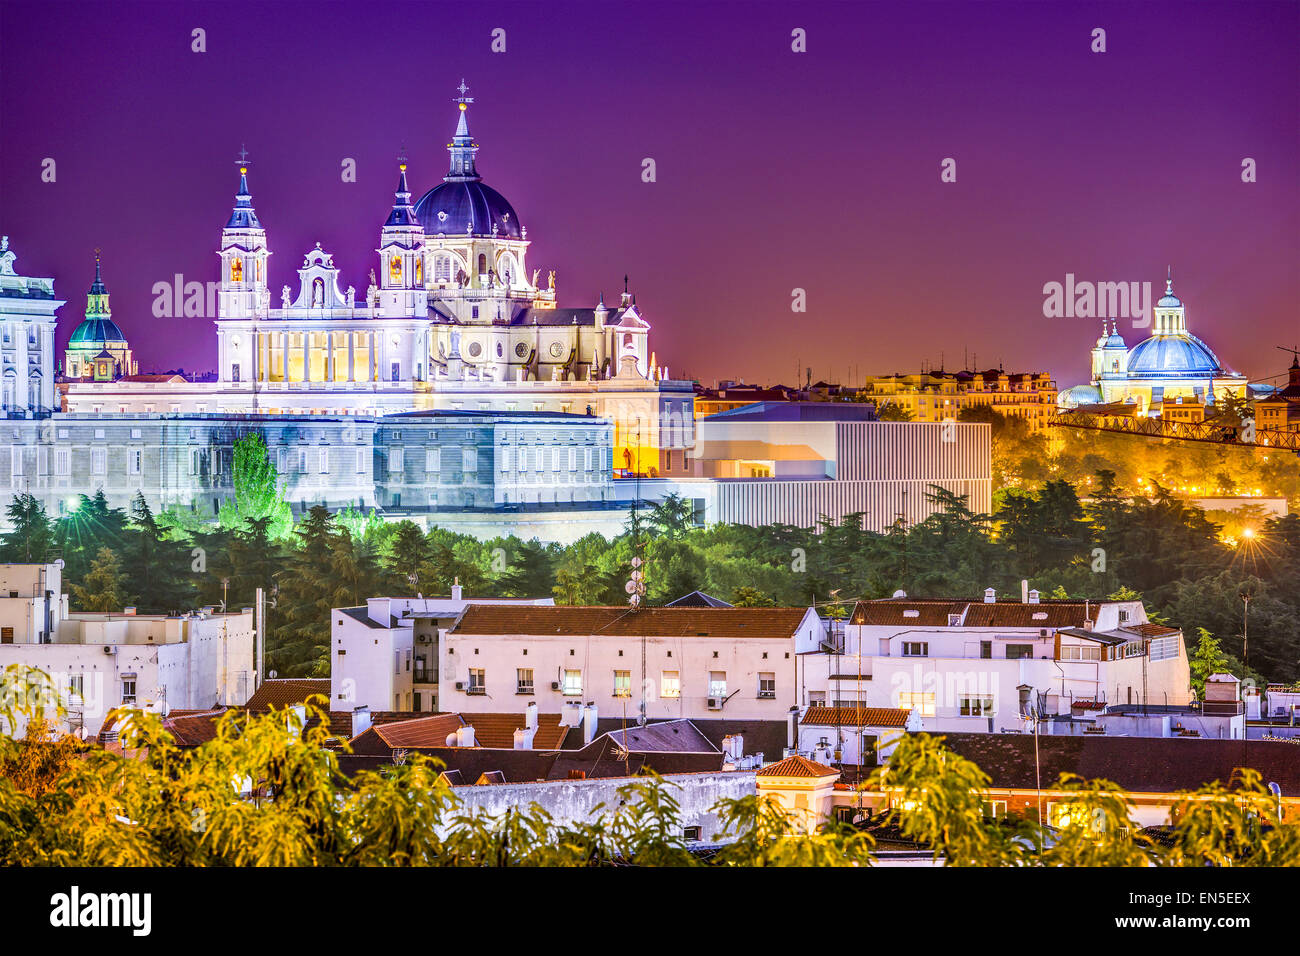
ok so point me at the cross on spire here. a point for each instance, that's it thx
(463, 99)
(243, 155)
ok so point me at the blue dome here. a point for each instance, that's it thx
(1169, 301)
(1079, 395)
(449, 206)
(1172, 356)
(95, 332)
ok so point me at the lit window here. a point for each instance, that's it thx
(922, 701)
(670, 685)
(622, 683)
(717, 683)
(573, 683)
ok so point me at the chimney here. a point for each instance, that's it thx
(524, 738)
(465, 736)
(733, 745)
(530, 715)
(1033, 597)
(990, 596)
(1024, 591)
(360, 719)
(456, 590)
(588, 723)
(792, 729)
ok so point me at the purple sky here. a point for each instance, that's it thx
(776, 170)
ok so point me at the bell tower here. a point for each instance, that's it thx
(244, 290)
(401, 255)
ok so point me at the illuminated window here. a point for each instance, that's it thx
(622, 683)
(921, 701)
(717, 683)
(670, 685)
(573, 683)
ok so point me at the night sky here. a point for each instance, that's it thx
(775, 169)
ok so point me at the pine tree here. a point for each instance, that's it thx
(259, 491)
(103, 587)
(32, 539)
(1207, 659)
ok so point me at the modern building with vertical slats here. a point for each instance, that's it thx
(799, 463)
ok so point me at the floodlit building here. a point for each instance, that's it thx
(1168, 364)
(798, 463)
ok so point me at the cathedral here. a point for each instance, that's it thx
(1171, 367)
(97, 350)
(452, 318)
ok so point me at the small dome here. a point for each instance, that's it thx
(1169, 301)
(448, 207)
(1172, 356)
(95, 332)
(1079, 395)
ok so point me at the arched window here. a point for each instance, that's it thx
(442, 268)
(482, 264)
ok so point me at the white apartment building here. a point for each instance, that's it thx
(384, 655)
(730, 663)
(970, 666)
(99, 661)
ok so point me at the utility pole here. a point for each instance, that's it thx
(259, 635)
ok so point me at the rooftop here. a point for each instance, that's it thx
(622, 621)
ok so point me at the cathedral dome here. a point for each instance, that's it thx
(1173, 356)
(452, 206)
(461, 203)
(97, 331)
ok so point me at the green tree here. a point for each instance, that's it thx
(103, 588)
(31, 540)
(1207, 659)
(259, 490)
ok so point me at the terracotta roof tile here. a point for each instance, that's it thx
(620, 621)
(856, 716)
(498, 730)
(797, 766)
(430, 731)
(284, 691)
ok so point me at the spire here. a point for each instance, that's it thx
(462, 146)
(1169, 280)
(243, 216)
(97, 287)
(402, 214)
(97, 297)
